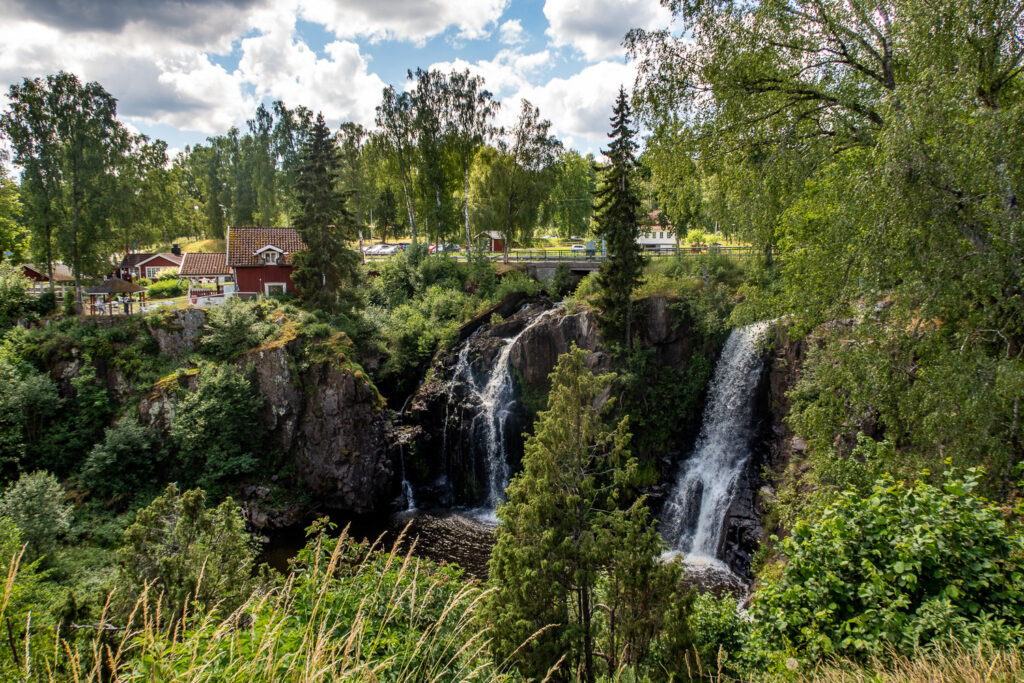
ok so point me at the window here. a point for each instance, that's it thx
(152, 271)
(272, 288)
(270, 257)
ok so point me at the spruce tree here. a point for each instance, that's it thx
(328, 265)
(575, 547)
(618, 208)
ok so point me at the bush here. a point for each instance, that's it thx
(165, 289)
(905, 568)
(442, 271)
(15, 300)
(126, 461)
(399, 280)
(181, 553)
(234, 327)
(35, 504)
(517, 282)
(560, 283)
(218, 429)
(167, 274)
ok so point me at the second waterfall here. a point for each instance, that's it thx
(694, 516)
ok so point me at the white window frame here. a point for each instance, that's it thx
(152, 271)
(268, 285)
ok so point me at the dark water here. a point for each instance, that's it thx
(459, 537)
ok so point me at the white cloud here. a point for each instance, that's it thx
(509, 72)
(511, 32)
(580, 106)
(283, 67)
(597, 27)
(402, 20)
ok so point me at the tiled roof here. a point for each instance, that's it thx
(132, 260)
(243, 243)
(61, 273)
(204, 264)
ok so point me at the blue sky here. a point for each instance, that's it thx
(186, 69)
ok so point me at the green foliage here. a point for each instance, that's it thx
(234, 327)
(15, 301)
(27, 400)
(35, 505)
(516, 281)
(399, 280)
(180, 554)
(126, 462)
(695, 236)
(560, 283)
(618, 208)
(218, 429)
(572, 536)
(919, 392)
(662, 401)
(442, 271)
(166, 288)
(328, 268)
(906, 567)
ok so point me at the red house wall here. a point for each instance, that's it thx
(252, 278)
(159, 262)
(497, 245)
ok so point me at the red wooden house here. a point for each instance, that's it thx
(261, 259)
(134, 266)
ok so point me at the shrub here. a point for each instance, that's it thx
(217, 428)
(904, 568)
(234, 327)
(126, 461)
(166, 274)
(15, 301)
(35, 504)
(442, 271)
(399, 280)
(560, 283)
(182, 553)
(165, 289)
(517, 282)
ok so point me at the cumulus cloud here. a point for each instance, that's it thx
(509, 72)
(580, 106)
(204, 23)
(597, 27)
(511, 32)
(282, 67)
(403, 20)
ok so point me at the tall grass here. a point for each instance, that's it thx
(347, 613)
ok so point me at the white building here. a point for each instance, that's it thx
(655, 237)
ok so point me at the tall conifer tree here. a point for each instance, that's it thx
(618, 208)
(325, 224)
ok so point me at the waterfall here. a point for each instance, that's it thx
(407, 493)
(694, 514)
(495, 402)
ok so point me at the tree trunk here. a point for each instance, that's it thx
(768, 254)
(409, 207)
(465, 208)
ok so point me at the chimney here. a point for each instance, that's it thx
(175, 249)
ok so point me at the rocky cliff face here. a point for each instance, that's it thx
(441, 432)
(775, 446)
(322, 412)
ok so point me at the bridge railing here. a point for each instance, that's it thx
(665, 252)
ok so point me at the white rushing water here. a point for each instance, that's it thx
(694, 514)
(495, 403)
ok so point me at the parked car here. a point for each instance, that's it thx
(388, 249)
(577, 248)
(444, 247)
(372, 250)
